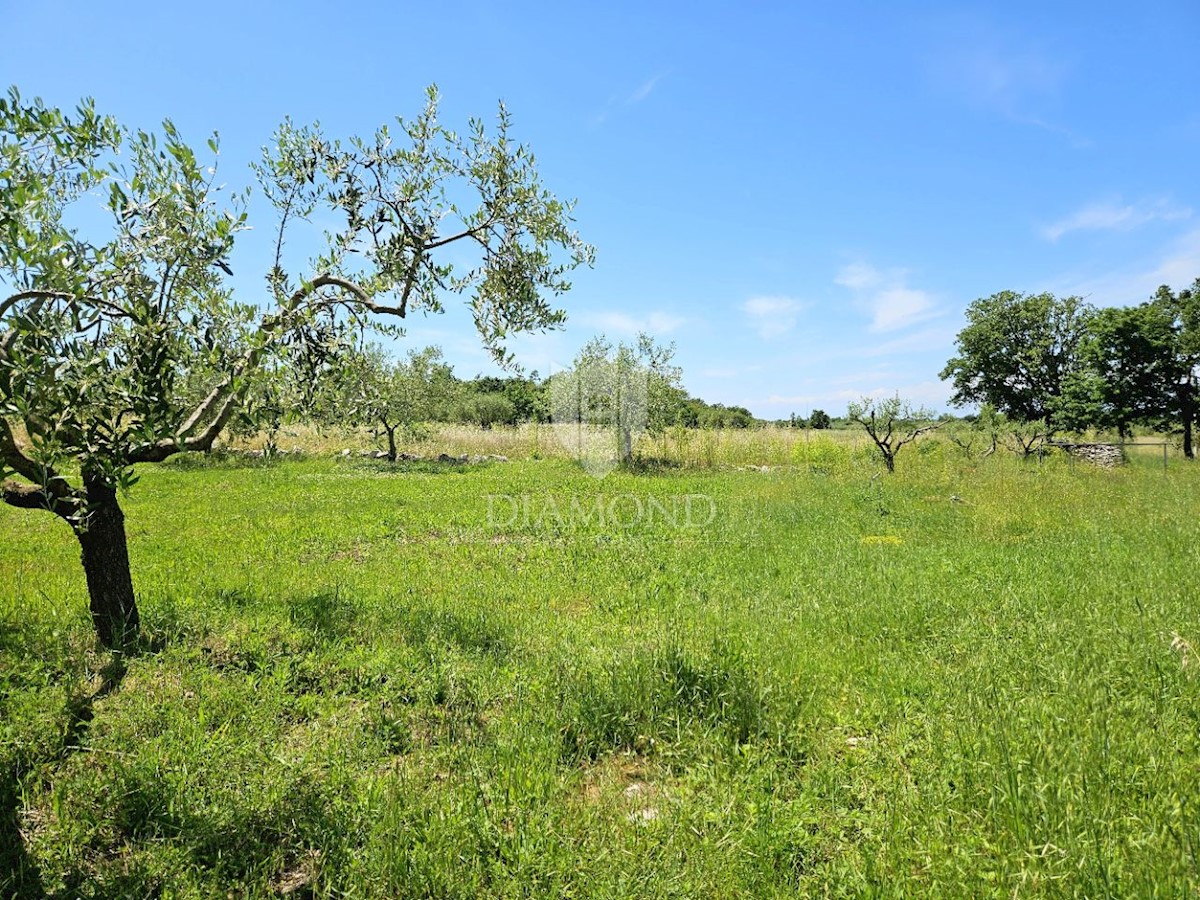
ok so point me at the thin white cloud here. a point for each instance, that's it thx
(1003, 80)
(772, 317)
(886, 295)
(1005, 74)
(858, 276)
(619, 101)
(644, 90)
(1114, 216)
(654, 323)
(1176, 265)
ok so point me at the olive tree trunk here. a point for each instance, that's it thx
(106, 565)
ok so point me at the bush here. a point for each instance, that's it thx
(823, 454)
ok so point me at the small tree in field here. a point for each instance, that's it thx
(390, 395)
(980, 435)
(891, 423)
(124, 346)
(819, 420)
(620, 390)
(486, 410)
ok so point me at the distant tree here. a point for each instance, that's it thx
(1138, 367)
(294, 382)
(100, 334)
(1027, 438)
(625, 388)
(1128, 372)
(529, 399)
(1187, 315)
(1183, 308)
(819, 420)
(525, 395)
(979, 434)
(718, 415)
(391, 395)
(486, 410)
(891, 423)
(1018, 352)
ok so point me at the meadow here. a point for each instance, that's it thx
(512, 679)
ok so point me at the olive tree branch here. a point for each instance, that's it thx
(223, 399)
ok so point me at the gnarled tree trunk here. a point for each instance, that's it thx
(106, 564)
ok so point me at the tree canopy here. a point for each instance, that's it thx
(1048, 364)
(1018, 352)
(125, 344)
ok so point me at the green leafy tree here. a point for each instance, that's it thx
(107, 335)
(1139, 367)
(892, 424)
(1183, 307)
(391, 395)
(1132, 365)
(819, 420)
(526, 394)
(622, 388)
(487, 410)
(1018, 353)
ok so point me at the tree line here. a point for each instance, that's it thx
(398, 398)
(1059, 364)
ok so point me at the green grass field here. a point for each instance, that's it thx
(362, 680)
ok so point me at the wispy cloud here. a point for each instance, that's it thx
(886, 295)
(620, 101)
(1004, 74)
(1177, 265)
(644, 90)
(654, 323)
(858, 276)
(1112, 215)
(772, 317)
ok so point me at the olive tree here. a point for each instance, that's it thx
(891, 423)
(121, 342)
(619, 390)
(977, 434)
(392, 394)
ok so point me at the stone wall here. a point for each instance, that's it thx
(1108, 456)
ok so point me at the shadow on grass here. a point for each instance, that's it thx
(218, 459)
(651, 465)
(655, 694)
(444, 465)
(20, 876)
(328, 613)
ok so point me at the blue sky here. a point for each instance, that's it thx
(804, 197)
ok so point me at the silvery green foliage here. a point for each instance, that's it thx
(609, 397)
(121, 340)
